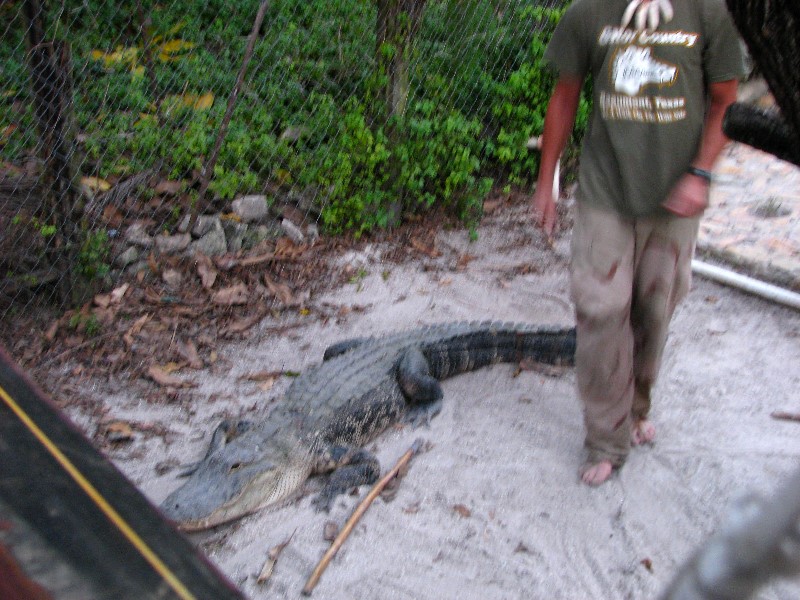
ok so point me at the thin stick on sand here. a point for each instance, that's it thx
(357, 514)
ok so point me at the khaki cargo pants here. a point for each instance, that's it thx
(627, 276)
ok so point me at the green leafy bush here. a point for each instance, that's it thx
(305, 117)
(520, 102)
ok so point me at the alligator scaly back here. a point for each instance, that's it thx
(333, 409)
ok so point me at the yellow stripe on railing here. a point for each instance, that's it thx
(176, 584)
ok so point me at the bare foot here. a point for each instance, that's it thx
(597, 473)
(642, 432)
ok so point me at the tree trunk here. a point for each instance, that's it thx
(770, 28)
(397, 24)
(51, 79)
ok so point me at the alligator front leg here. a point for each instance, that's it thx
(351, 467)
(421, 388)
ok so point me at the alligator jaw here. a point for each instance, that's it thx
(266, 488)
(260, 468)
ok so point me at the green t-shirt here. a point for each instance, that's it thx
(649, 94)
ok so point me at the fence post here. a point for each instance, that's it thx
(51, 84)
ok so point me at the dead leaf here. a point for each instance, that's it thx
(647, 564)
(412, 508)
(172, 367)
(272, 558)
(260, 376)
(242, 325)
(51, 332)
(330, 531)
(489, 206)
(429, 249)
(6, 132)
(112, 217)
(152, 264)
(172, 277)
(118, 431)
(280, 290)
(112, 298)
(96, 184)
(162, 377)
(134, 330)
(464, 260)
(188, 352)
(462, 510)
(286, 248)
(118, 293)
(235, 294)
(266, 386)
(169, 187)
(173, 50)
(205, 268)
(249, 261)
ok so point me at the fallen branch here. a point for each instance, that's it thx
(785, 416)
(356, 516)
(272, 559)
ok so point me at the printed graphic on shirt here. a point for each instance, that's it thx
(634, 68)
(645, 109)
(619, 36)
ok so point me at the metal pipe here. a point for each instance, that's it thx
(747, 284)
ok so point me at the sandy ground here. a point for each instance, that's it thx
(494, 508)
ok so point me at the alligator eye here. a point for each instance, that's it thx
(235, 467)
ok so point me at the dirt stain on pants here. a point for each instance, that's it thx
(627, 276)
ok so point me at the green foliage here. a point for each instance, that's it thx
(520, 103)
(93, 255)
(86, 323)
(306, 117)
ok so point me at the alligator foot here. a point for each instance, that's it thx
(362, 468)
(421, 414)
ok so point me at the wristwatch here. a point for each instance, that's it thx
(700, 173)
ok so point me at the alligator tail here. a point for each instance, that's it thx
(501, 343)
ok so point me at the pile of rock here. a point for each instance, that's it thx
(250, 222)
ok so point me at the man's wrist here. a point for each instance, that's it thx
(702, 173)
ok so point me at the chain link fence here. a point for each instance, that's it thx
(192, 125)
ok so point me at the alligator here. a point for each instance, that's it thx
(330, 411)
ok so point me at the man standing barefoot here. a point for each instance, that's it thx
(663, 73)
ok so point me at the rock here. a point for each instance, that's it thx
(201, 227)
(137, 234)
(312, 231)
(126, 257)
(172, 244)
(292, 134)
(255, 235)
(250, 208)
(293, 231)
(172, 278)
(295, 215)
(212, 243)
(137, 267)
(234, 234)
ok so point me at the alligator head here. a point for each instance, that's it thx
(235, 480)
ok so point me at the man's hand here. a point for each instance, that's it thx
(689, 197)
(544, 210)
